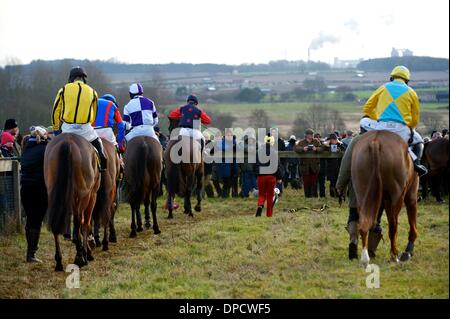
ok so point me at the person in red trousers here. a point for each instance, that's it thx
(267, 180)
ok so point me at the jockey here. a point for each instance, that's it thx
(394, 107)
(190, 116)
(139, 114)
(107, 115)
(74, 110)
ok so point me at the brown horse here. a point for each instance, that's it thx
(72, 178)
(105, 206)
(435, 158)
(383, 174)
(143, 165)
(183, 176)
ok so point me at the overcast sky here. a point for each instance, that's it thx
(220, 31)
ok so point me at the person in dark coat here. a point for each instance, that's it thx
(248, 169)
(33, 192)
(228, 170)
(333, 164)
(291, 166)
(309, 167)
(267, 180)
(321, 178)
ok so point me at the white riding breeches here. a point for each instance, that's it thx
(195, 134)
(84, 130)
(400, 129)
(142, 130)
(107, 133)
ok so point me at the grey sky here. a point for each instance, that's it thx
(232, 31)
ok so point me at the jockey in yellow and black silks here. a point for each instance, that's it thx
(395, 107)
(75, 108)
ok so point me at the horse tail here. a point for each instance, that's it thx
(135, 193)
(60, 201)
(374, 192)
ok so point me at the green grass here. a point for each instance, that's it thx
(225, 252)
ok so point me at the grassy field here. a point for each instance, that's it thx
(226, 252)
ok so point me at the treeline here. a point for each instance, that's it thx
(414, 63)
(187, 68)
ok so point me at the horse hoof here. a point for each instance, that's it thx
(133, 234)
(406, 256)
(157, 231)
(112, 239)
(394, 259)
(191, 215)
(170, 217)
(80, 261)
(139, 229)
(59, 267)
(90, 257)
(147, 225)
(186, 212)
(198, 208)
(352, 251)
(105, 248)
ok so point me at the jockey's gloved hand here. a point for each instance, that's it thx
(56, 132)
(122, 147)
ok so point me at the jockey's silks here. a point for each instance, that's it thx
(75, 103)
(140, 111)
(394, 102)
(187, 114)
(107, 115)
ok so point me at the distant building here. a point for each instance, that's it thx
(400, 52)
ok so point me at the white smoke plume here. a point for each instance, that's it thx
(322, 38)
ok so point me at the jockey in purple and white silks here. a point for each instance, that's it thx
(139, 114)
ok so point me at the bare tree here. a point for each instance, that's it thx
(259, 118)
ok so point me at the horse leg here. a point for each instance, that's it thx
(147, 210)
(58, 256)
(364, 232)
(411, 210)
(80, 260)
(198, 207)
(97, 235)
(170, 198)
(392, 216)
(436, 188)
(187, 196)
(112, 231)
(105, 238)
(139, 219)
(133, 233)
(86, 247)
(154, 206)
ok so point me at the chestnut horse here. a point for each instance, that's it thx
(435, 158)
(72, 179)
(143, 165)
(383, 174)
(183, 176)
(105, 206)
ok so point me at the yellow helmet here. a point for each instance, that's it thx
(269, 140)
(401, 72)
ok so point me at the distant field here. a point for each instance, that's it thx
(283, 114)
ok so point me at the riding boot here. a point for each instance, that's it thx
(259, 211)
(352, 229)
(418, 151)
(375, 237)
(97, 143)
(32, 236)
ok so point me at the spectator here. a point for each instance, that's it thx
(444, 132)
(248, 170)
(333, 164)
(8, 143)
(33, 192)
(291, 168)
(346, 141)
(228, 170)
(436, 136)
(267, 181)
(280, 147)
(321, 178)
(207, 183)
(309, 167)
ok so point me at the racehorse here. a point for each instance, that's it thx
(143, 164)
(105, 206)
(72, 178)
(435, 158)
(383, 174)
(183, 176)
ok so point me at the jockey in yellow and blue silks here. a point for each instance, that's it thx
(395, 107)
